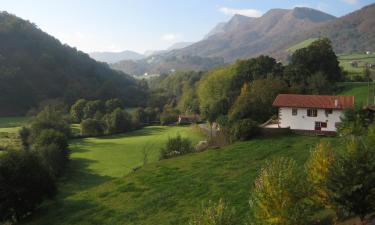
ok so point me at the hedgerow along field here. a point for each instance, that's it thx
(9, 127)
(170, 191)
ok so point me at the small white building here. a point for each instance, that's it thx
(315, 113)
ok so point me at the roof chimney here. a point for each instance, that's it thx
(336, 102)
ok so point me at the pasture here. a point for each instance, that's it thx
(359, 90)
(361, 59)
(170, 191)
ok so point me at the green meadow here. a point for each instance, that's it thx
(359, 90)
(167, 191)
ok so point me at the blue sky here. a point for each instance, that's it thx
(140, 25)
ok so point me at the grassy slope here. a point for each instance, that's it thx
(302, 44)
(357, 89)
(169, 191)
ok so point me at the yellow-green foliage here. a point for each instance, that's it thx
(279, 196)
(318, 166)
(215, 86)
(215, 214)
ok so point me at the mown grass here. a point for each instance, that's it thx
(170, 191)
(9, 127)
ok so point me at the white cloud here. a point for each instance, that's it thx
(244, 12)
(171, 37)
(351, 2)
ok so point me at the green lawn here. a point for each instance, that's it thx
(168, 191)
(357, 89)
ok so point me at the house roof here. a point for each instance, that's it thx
(314, 101)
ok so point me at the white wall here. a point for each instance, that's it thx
(302, 122)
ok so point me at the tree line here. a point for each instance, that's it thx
(29, 175)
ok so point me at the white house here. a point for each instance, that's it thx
(316, 113)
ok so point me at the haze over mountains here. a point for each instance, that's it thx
(272, 34)
(114, 57)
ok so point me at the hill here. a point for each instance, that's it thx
(113, 57)
(169, 191)
(35, 66)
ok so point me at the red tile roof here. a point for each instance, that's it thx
(313, 101)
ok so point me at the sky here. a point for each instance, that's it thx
(143, 25)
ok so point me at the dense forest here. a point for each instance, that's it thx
(35, 66)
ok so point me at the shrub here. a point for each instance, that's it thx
(176, 146)
(245, 129)
(24, 183)
(24, 134)
(280, 195)
(215, 214)
(92, 127)
(169, 115)
(351, 180)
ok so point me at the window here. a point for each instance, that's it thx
(328, 111)
(294, 112)
(312, 112)
(323, 124)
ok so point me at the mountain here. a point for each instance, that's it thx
(243, 37)
(179, 45)
(354, 32)
(35, 67)
(112, 57)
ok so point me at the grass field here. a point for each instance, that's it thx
(357, 89)
(168, 191)
(9, 127)
(346, 59)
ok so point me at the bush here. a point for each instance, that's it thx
(215, 214)
(169, 116)
(176, 146)
(24, 183)
(92, 127)
(280, 195)
(245, 129)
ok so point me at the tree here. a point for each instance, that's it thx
(279, 196)
(118, 121)
(169, 115)
(255, 100)
(24, 184)
(92, 108)
(318, 57)
(76, 111)
(92, 127)
(318, 166)
(351, 180)
(112, 104)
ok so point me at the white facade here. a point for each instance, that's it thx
(301, 121)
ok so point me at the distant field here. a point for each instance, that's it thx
(9, 127)
(362, 59)
(13, 121)
(169, 191)
(357, 89)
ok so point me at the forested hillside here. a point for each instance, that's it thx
(35, 66)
